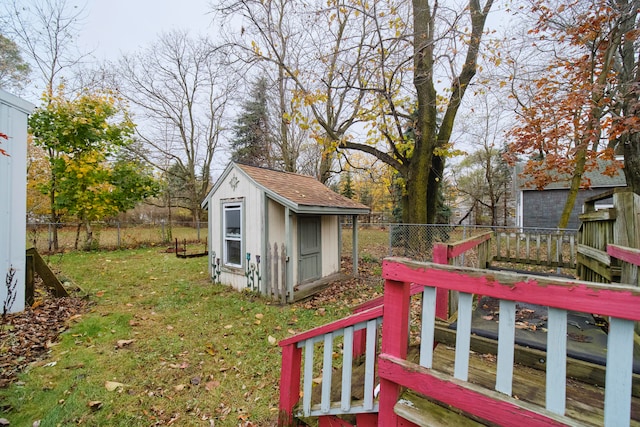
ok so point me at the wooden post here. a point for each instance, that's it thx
(276, 276)
(289, 384)
(626, 230)
(30, 280)
(441, 256)
(395, 333)
(354, 244)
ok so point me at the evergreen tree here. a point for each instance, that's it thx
(347, 186)
(252, 139)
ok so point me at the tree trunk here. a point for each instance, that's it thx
(632, 163)
(88, 242)
(426, 168)
(581, 159)
(77, 241)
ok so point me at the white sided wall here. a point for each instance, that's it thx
(13, 195)
(236, 187)
(330, 245)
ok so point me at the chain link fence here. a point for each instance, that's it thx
(533, 246)
(114, 235)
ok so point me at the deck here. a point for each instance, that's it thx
(362, 369)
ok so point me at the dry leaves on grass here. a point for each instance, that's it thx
(27, 336)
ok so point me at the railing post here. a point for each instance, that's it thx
(441, 256)
(289, 384)
(395, 335)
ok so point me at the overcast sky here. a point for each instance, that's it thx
(115, 26)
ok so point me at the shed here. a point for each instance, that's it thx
(542, 208)
(13, 198)
(276, 232)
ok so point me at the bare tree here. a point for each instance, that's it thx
(377, 64)
(46, 31)
(179, 91)
(296, 44)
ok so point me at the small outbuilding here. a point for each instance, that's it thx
(543, 208)
(14, 112)
(276, 232)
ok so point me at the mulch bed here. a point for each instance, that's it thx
(26, 337)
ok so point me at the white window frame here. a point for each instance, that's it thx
(228, 207)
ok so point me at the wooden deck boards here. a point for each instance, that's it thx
(584, 404)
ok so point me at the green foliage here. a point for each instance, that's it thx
(14, 71)
(82, 138)
(252, 139)
(346, 185)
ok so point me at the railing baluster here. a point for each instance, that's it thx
(327, 368)
(463, 336)
(617, 390)
(428, 327)
(556, 361)
(308, 377)
(506, 340)
(347, 368)
(370, 363)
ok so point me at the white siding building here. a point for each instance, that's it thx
(275, 232)
(13, 195)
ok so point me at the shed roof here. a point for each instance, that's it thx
(301, 193)
(596, 177)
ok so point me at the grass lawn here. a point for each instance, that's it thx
(160, 345)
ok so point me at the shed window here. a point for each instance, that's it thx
(232, 215)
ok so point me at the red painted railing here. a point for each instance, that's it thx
(620, 303)
(290, 377)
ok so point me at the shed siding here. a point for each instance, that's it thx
(330, 248)
(13, 194)
(542, 209)
(252, 221)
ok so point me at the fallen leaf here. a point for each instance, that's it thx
(179, 387)
(259, 316)
(100, 294)
(196, 380)
(94, 405)
(228, 326)
(272, 340)
(210, 385)
(124, 343)
(210, 350)
(112, 385)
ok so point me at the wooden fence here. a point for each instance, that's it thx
(618, 225)
(552, 248)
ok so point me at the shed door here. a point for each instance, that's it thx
(310, 256)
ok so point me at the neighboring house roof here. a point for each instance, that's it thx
(301, 193)
(597, 178)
